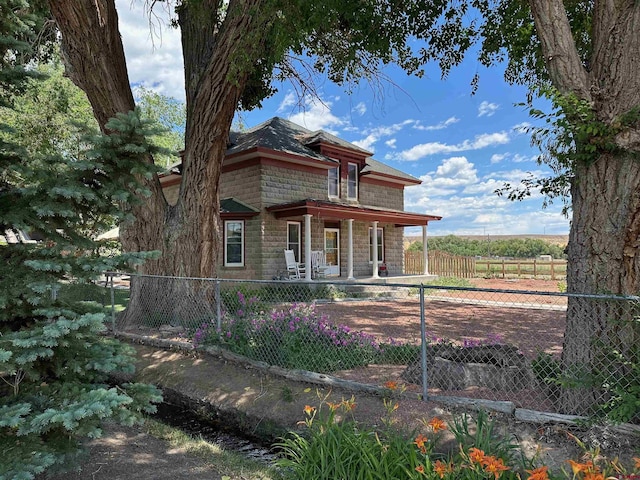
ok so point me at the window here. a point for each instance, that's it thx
(234, 243)
(293, 238)
(380, 245)
(352, 181)
(334, 182)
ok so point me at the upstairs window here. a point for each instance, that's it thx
(352, 181)
(233, 243)
(334, 182)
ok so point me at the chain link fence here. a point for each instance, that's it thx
(545, 351)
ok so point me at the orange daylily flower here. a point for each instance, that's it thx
(441, 468)
(539, 473)
(436, 424)
(593, 476)
(349, 405)
(420, 443)
(391, 385)
(420, 469)
(476, 455)
(309, 409)
(582, 467)
(494, 465)
(334, 406)
(637, 462)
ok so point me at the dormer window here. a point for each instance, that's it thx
(334, 182)
(352, 181)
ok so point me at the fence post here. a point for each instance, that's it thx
(110, 276)
(218, 307)
(423, 346)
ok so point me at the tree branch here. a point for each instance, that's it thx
(93, 54)
(560, 54)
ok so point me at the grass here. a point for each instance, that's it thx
(231, 465)
(90, 292)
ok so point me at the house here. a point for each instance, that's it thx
(287, 188)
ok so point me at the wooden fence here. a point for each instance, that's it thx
(440, 263)
(446, 265)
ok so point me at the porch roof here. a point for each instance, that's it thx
(334, 210)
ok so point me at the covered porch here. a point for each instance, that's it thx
(324, 210)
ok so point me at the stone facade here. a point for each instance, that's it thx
(274, 166)
(264, 185)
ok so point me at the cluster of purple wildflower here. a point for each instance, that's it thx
(303, 318)
(299, 318)
(492, 339)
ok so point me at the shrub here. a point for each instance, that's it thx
(293, 337)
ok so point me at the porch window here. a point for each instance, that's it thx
(293, 238)
(380, 245)
(234, 243)
(352, 181)
(334, 182)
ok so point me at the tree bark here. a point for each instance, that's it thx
(187, 234)
(603, 259)
(604, 237)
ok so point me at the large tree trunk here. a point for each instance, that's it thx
(603, 258)
(603, 250)
(188, 234)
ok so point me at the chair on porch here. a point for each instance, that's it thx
(319, 265)
(294, 269)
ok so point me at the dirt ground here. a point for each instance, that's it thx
(125, 453)
(262, 400)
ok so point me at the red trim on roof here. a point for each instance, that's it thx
(324, 209)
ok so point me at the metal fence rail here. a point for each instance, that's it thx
(550, 352)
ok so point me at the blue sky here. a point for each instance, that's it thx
(461, 146)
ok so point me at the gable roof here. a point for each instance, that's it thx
(280, 135)
(275, 134)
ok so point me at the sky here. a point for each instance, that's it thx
(462, 146)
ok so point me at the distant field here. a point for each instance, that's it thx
(553, 239)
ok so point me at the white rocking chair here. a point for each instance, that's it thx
(294, 269)
(319, 265)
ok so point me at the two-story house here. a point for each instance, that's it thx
(284, 187)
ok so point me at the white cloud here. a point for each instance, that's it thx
(521, 127)
(367, 142)
(439, 126)
(360, 108)
(469, 205)
(487, 109)
(374, 134)
(391, 143)
(153, 53)
(498, 157)
(433, 148)
(317, 116)
(287, 102)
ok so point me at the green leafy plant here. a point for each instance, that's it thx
(332, 448)
(482, 434)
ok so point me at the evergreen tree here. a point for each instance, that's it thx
(54, 357)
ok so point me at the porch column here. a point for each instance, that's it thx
(374, 241)
(350, 250)
(307, 247)
(425, 251)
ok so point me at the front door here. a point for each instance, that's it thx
(332, 250)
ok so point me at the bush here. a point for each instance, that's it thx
(294, 337)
